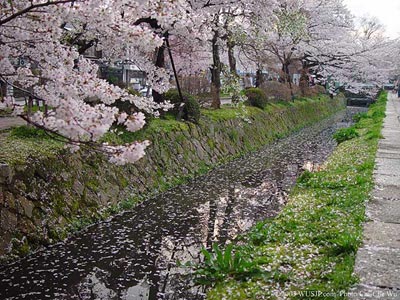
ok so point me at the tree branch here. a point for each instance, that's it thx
(32, 7)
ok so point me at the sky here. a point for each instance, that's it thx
(387, 11)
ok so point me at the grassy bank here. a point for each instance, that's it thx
(311, 245)
(21, 143)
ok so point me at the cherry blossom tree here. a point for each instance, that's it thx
(228, 22)
(50, 36)
(321, 36)
(354, 56)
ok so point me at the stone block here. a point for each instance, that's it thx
(8, 221)
(27, 206)
(377, 266)
(387, 166)
(387, 192)
(9, 200)
(6, 174)
(381, 179)
(384, 210)
(363, 292)
(78, 187)
(381, 234)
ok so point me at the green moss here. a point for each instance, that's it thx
(57, 234)
(211, 143)
(16, 150)
(75, 206)
(233, 135)
(153, 127)
(128, 203)
(92, 184)
(228, 113)
(123, 181)
(80, 222)
(180, 138)
(20, 246)
(59, 205)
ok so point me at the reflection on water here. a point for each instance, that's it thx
(133, 255)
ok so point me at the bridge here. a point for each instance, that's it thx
(360, 101)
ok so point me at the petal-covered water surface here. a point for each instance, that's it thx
(133, 255)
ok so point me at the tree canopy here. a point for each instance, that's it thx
(52, 36)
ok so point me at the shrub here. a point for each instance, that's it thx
(191, 109)
(321, 89)
(345, 134)
(313, 91)
(357, 117)
(220, 264)
(276, 91)
(304, 178)
(126, 106)
(173, 97)
(256, 97)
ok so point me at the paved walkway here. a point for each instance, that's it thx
(8, 122)
(378, 261)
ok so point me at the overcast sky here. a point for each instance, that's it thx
(387, 11)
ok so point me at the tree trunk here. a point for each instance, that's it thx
(231, 57)
(232, 68)
(304, 82)
(216, 73)
(285, 69)
(259, 78)
(160, 63)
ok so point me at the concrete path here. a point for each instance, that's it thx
(8, 122)
(378, 260)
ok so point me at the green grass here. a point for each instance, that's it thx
(153, 126)
(227, 112)
(21, 143)
(28, 132)
(36, 108)
(345, 134)
(311, 245)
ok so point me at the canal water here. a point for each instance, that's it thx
(133, 255)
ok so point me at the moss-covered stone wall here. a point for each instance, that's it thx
(44, 198)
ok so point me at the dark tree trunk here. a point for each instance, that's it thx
(286, 72)
(232, 67)
(259, 78)
(160, 63)
(231, 57)
(215, 73)
(304, 82)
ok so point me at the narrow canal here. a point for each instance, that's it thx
(133, 255)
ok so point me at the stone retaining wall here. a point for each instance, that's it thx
(40, 198)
